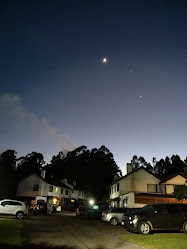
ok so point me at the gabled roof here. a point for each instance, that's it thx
(167, 178)
(132, 172)
(57, 183)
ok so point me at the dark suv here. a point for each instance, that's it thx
(158, 217)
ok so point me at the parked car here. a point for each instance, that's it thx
(158, 217)
(95, 212)
(41, 207)
(13, 207)
(128, 212)
(81, 210)
(113, 215)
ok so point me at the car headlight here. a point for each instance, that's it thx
(133, 217)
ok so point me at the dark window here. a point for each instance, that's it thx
(35, 187)
(62, 191)
(5, 203)
(146, 209)
(66, 191)
(15, 203)
(50, 188)
(172, 209)
(160, 209)
(118, 187)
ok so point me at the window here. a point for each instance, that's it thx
(118, 187)
(160, 209)
(56, 190)
(110, 191)
(5, 203)
(50, 188)
(35, 187)
(61, 191)
(172, 209)
(153, 188)
(15, 203)
(66, 191)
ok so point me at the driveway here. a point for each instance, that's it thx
(65, 229)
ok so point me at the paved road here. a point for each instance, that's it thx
(67, 230)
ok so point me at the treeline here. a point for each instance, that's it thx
(93, 169)
(162, 167)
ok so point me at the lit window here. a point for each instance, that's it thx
(56, 190)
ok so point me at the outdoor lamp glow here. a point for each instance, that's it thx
(91, 202)
(54, 201)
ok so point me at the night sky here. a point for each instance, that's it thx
(57, 94)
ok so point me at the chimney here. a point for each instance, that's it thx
(74, 183)
(115, 177)
(43, 172)
(65, 181)
(129, 168)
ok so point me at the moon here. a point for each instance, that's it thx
(104, 60)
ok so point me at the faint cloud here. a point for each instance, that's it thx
(16, 116)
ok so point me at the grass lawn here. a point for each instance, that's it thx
(10, 233)
(159, 240)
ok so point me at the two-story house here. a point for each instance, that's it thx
(140, 187)
(35, 187)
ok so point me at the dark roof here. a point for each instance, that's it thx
(167, 178)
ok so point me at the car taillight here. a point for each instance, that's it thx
(106, 214)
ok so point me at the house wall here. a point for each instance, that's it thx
(25, 187)
(127, 200)
(114, 192)
(141, 179)
(169, 186)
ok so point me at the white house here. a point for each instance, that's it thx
(36, 187)
(140, 187)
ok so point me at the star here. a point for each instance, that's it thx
(104, 60)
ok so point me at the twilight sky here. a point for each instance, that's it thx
(55, 92)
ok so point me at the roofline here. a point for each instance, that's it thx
(133, 171)
(46, 181)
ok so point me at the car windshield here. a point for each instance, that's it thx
(146, 209)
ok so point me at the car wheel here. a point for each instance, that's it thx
(19, 215)
(144, 228)
(114, 221)
(184, 228)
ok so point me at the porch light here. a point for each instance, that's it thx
(91, 202)
(54, 201)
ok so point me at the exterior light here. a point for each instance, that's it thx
(54, 201)
(91, 202)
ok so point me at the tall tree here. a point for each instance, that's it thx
(8, 162)
(8, 180)
(31, 163)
